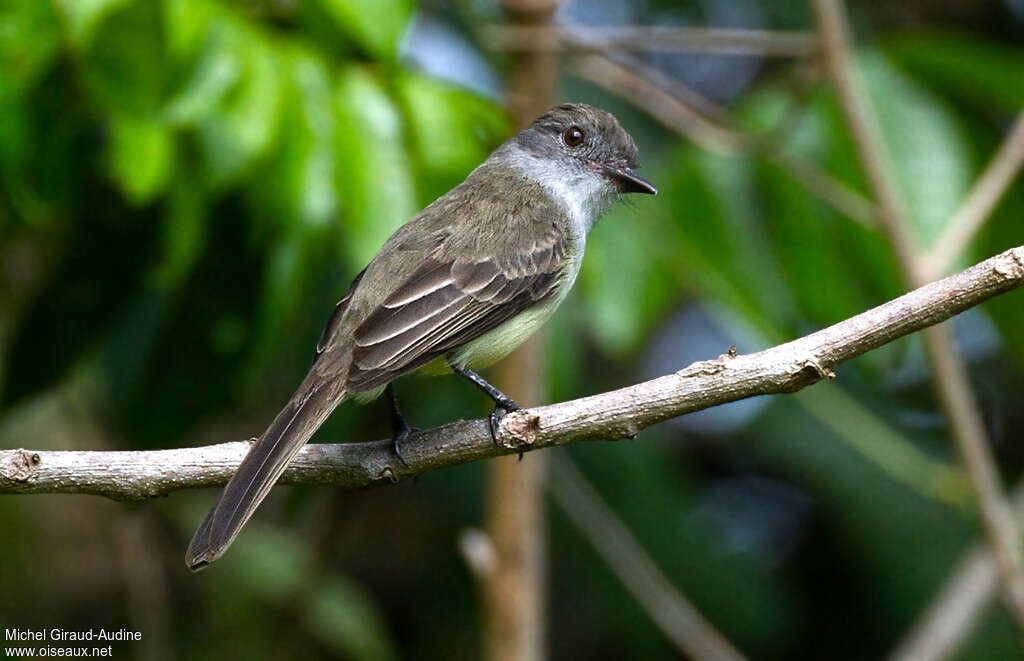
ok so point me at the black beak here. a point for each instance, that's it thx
(629, 181)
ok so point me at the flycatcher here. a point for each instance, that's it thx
(459, 286)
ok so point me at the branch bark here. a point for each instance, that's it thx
(132, 475)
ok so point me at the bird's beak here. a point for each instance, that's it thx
(629, 181)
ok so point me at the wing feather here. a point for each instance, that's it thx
(445, 304)
(339, 312)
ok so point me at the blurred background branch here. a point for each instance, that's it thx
(950, 378)
(977, 207)
(515, 587)
(586, 39)
(958, 605)
(683, 624)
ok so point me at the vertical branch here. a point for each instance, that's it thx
(953, 614)
(514, 595)
(950, 379)
(670, 611)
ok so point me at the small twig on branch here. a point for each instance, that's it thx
(619, 413)
(677, 618)
(582, 39)
(950, 380)
(978, 206)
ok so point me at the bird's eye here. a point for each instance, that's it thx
(573, 136)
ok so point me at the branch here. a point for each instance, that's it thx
(513, 594)
(658, 103)
(670, 611)
(952, 616)
(133, 475)
(636, 85)
(980, 202)
(721, 41)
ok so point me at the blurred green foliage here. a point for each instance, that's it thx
(187, 186)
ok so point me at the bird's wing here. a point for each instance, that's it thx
(445, 303)
(339, 311)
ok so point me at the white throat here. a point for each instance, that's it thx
(585, 193)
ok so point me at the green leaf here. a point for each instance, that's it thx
(376, 26)
(186, 23)
(298, 183)
(344, 618)
(140, 154)
(83, 17)
(233, 99)
(124, 69)
(928, 151)
(451, 130)
(813, 246)
(184, 229)
(216, 73)
(30, 40)
(287, 275)
(624, 285)
(983, 73)
(374, 175)
(719, 239)
(884, 446)
(283, 564)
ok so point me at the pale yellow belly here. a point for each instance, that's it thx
(487, 349)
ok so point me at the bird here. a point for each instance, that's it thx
(455, 289)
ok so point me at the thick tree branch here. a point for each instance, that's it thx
(131, 475)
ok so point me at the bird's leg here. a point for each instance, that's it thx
(502, 403)
(399, 427)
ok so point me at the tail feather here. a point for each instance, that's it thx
(312, 403)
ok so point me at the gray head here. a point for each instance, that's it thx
(586, 143)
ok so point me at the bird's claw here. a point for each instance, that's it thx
(400, 436)
(501, 409)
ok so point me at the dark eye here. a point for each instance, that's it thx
(573, 136)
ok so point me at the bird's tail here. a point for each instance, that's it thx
(308, 408)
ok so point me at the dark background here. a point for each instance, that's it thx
(186, 188)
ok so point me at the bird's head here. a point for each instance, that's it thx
(583, 140)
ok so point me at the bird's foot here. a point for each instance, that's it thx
(399, 426)
(502, 407)
(398, 438)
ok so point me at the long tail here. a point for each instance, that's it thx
(311, 404)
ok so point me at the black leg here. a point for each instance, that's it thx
(399, 427)
(502, 403)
